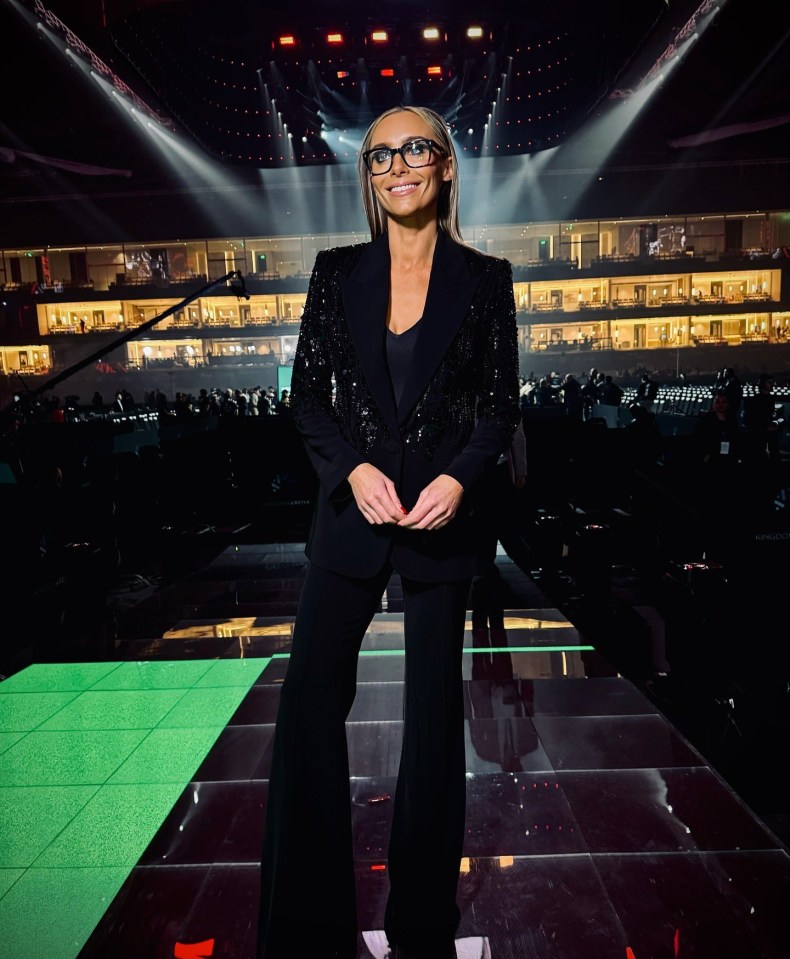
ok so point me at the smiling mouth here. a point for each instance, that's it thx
(402, 188)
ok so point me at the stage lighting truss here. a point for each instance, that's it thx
(347, 92)
(325, 40)
(520, 81)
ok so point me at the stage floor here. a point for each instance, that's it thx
(133, 791)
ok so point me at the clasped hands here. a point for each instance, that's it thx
(379, 503)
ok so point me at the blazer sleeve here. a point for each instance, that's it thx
(498, 410)
(330, 453)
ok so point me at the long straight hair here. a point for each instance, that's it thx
(448, 197)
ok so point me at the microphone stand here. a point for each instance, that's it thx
(136, 331)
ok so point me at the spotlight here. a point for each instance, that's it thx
(388, 72)
(289, 40)
(379, 36)
(434, 71)
(474, 33)
(334, 38)
(430, 33)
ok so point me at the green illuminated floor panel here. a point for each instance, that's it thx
(24, 711)
(42, 677)
(122, 709)
(154, 674)
(167, 756)
(92, 758)
(7, 879)
(67, 758)
(55, 909)
(31, 817)
(7, 740)
(205, 707)
(114, 827)
(230, 672)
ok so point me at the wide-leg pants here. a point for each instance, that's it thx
(308, 893)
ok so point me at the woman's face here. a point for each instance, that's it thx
(407, 193)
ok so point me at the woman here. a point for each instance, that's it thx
(418, 332)
(717, 435)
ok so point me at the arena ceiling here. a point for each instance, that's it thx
(95, 89)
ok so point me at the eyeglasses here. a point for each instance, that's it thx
(415, 153)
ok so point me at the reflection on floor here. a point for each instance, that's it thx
(133, 791)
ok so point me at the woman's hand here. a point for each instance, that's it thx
(436, 504)
(375, 495)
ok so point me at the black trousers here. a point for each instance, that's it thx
(308, 893)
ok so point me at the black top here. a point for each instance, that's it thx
(400, 348)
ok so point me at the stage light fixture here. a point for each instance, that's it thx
(434, 71)
(342, 74)
(288, 40)
(430, 33)
(388, 72)
(474, 33)
(334, 38)
(379, 36)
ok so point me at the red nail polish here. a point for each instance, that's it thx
(404, 511)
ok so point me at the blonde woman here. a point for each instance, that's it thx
(418, 332)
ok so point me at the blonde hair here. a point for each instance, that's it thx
(448, 198)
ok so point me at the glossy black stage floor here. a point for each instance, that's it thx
(594, 828)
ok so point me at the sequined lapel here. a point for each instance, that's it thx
(450, 291)
(365, 295)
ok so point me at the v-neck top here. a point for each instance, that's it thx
(400, 349)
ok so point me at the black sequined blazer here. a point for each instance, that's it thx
(458, 411)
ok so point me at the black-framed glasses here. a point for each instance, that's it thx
(415, 153)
